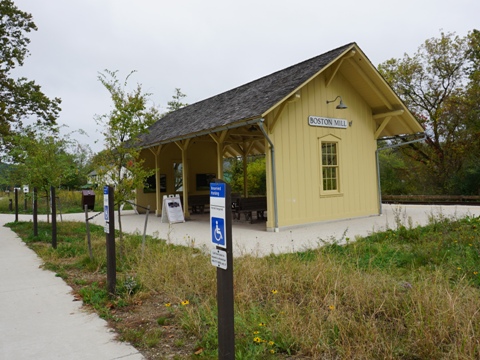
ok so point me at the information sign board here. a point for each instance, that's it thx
(217, 214)
(105, 202)
(219, 258)
(327, 122)
(172, 211)
(105, 209)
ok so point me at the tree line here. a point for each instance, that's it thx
(439, 83)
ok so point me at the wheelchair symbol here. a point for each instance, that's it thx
(218, 231)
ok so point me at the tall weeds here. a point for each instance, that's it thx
(409, 293)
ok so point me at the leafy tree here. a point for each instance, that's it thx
(120, 164)
(434, 84)
(256, 175)
(41, 159)
(19, 98)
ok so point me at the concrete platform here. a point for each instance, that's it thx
(255, 240)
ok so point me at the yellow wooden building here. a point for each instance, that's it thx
(318, 122)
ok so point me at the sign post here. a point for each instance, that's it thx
(222, 258)
(108, 210)
(54, 216)
(35, 212)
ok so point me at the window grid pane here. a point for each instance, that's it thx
(329, 166)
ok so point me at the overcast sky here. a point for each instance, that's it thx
(210, 46)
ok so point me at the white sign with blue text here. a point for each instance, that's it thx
(217, 214)
(105, 202)
(105, 208)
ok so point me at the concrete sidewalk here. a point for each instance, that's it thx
(39, 318)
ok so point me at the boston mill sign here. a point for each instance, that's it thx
(327, 122)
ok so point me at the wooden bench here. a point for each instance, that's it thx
(197, 202)
(248, 206)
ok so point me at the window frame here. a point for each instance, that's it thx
(337, 191)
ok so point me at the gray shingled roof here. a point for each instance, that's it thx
(248, 101)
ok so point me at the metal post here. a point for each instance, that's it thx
(226, 331)
(111, 254)
(54, 217)
(145, 230)
(274, 175)
(35, 212)
(16, 205)
(89, 241)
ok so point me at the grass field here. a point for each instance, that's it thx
(68, 201)
(412, 293)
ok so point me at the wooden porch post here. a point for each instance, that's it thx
(183, 145)
(219, 140)
(158, 195)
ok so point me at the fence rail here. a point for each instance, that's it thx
(432, 199)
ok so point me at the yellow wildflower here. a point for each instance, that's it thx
(168, 304)
(185, 302)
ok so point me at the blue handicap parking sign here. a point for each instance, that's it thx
(218, 231)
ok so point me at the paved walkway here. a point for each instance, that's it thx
(39, 319)
(254, 239)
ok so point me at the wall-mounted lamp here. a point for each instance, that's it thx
(341, 105)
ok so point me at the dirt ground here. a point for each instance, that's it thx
(146, 315)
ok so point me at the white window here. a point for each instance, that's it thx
(329, 147)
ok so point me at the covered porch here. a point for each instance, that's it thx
(186, 166)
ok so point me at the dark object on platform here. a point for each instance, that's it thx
(88, 198)
(248, 206)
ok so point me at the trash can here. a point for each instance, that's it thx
(88, 198)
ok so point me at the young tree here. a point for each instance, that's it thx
(433, 83)
(19, 98)
(129, 118)
(176, 102)
(41, 159)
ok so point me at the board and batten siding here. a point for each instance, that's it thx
(298, 157)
